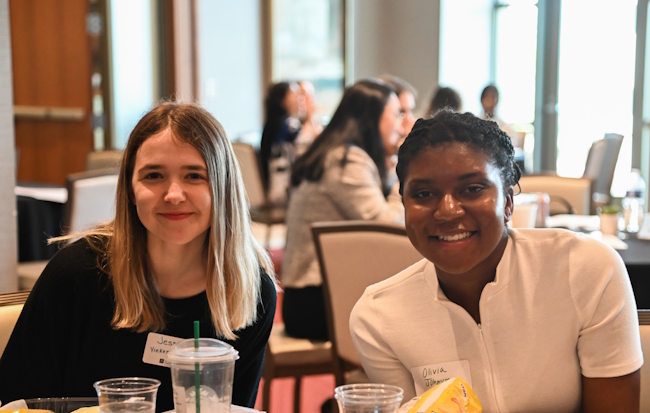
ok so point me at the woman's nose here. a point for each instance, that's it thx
(175, 193)
(401, 128)
(448, 208)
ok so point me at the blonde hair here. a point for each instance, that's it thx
(234, 260)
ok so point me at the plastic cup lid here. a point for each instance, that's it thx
(210, 351)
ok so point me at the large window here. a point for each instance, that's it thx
(596, 82)
(515, 51)
(465, 29)
(133, 65)
(308, 45)
(487, 41)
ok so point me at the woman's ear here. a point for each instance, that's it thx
(509, 205)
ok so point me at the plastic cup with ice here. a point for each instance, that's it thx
(214, 363)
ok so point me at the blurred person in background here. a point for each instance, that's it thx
(311, 125)
(283, 106)
(444, 98)
(489, 102)
(406, 95)
(341, 177)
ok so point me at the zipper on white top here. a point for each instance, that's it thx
(487, 356)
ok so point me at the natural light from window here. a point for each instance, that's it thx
(596, 82)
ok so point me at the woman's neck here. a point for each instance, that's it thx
(179, 270)
(465, 289)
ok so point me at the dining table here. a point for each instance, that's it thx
(637, 261)
(634, 249)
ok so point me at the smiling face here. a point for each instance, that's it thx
(171, 191)
(456, 209)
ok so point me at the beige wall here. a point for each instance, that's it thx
(396, 37)
(8, 248)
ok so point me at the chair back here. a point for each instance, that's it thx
(11, 304)
(644, 326)
(103, 159)
(91, 199)
(567, 195)
(352, 256)
(601, 163)
(250, 169)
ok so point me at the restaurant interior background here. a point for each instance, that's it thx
(76, 75)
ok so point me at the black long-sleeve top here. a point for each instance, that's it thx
(63, 341)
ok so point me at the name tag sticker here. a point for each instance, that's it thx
(157, 348)
(428, 376)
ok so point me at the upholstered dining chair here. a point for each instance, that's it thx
(11, 304)
(581, 195)
(352, 256)
(644, 326)
(91, 201)
(567, 195)
(261, 210)
(600, 166)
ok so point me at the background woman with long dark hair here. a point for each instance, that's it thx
(340, 177)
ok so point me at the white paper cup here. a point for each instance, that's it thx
(213, 364)
(127, 395)
(368, 398)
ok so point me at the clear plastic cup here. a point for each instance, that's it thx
(368, 398)
(211, 366)
(127, 395)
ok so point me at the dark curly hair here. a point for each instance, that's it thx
(447, 126)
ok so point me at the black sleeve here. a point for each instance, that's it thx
(34, 362)
(251, 345)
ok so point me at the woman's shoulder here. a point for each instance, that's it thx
(268, 287)
(565, 246)
(73, 262)
(83, 251)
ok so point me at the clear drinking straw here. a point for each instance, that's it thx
(197, 373)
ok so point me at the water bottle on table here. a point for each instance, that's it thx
(633, 203)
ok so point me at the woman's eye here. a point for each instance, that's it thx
(475, 189)
(195, 176)
(422, 194)
(153, 175)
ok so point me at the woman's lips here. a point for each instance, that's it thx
(176, 216)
